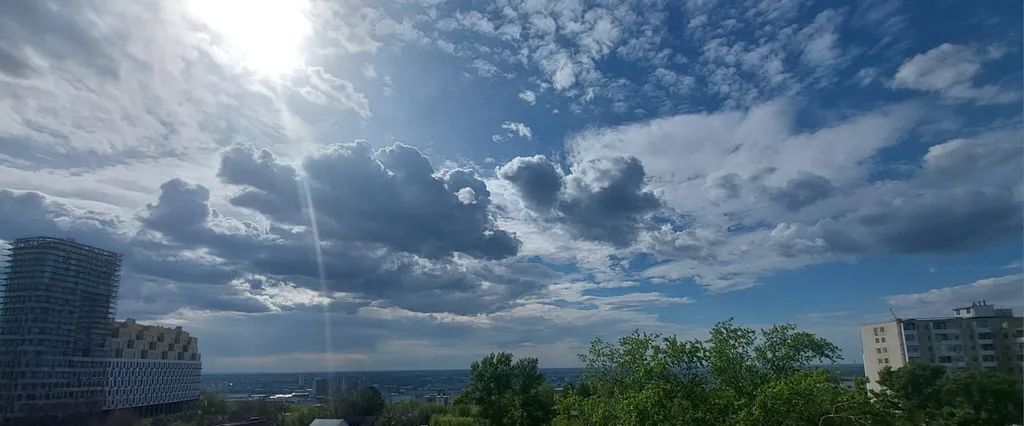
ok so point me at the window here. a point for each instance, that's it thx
(876, 340)
(879, 360)
(939, 325)
(883, 339)
(887, 360)
(988, 347)
(981, 324)
(945, 359)
(885, 350)
(878, 350)
(984, 336)
(912, 348)
(910, 337)
(910, 326)
(881, 329)
(988, 358)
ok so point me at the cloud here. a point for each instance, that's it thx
(802, 191)
(600, 199)
(538, 180)
(520, 129)
(391, 196)
(1004, 292)
(949, 70)
(324, 87)
(528, 96)
(747, 193)
(268, 186)
(513, 129)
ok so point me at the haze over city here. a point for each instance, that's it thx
(354, 185)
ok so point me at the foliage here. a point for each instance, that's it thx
(361, 402)
(409, 413)
(736, 376)
(503, 392)
(927, 394)
(449, 420)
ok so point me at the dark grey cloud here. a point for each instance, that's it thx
(391, 197)
(944, 221)
(538, 180)
(601, 199)
(268, 186)
(802, 191)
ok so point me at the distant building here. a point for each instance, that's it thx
(55, 317)
(320, 387)
(979, 337)
(154, 368)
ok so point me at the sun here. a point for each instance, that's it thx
(264, 36)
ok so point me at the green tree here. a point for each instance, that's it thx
(409, 413)
(928, 394)
(504, 392)
(449, 420)
(650, 379)
(362, 402)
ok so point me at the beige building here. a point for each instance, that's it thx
(154, 368)
(975, 337)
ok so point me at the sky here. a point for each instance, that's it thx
(362, 185)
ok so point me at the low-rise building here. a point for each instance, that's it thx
(154, 368)
(979, 336)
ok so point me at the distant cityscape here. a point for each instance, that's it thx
(63, 354)
(440, 386)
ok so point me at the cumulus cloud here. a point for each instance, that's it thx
(715, 172)
(600, 199)
(949, 70)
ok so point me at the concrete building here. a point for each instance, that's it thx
(154, 369)
(979, 336)
(61, 352)
(55, 317)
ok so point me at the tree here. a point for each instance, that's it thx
(733, 377)
(362, 402)
(504, 392)
(448, 420)
(409, 413)
(928, 394)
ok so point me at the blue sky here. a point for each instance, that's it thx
(517, 175)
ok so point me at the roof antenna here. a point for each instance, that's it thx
(894, 317)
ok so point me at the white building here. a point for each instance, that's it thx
(155, 368)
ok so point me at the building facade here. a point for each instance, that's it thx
(55, 317)
(61, 352)
(153, 366)
(979, 337)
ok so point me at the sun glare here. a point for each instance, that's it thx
(264, 36)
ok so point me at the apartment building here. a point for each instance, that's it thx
(154, 368)
(979, 336)
(55, 316)
(61, 352)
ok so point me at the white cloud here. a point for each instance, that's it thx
(520, 129)
(1004, 292)
(528, 96)
(324, 87)
(369, 71)
(949, 70)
